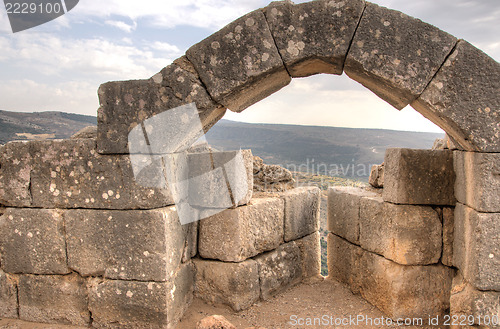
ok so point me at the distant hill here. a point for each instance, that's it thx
(348, 149)
(345, 148)
(41, 125)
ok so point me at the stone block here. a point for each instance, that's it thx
(15, 173)
(343, 262)
(208, 187)
(478, 180)
(476, 247)
(377, 176)
(301, 212)
(32, 241)
(53, 299)
(483, 307)
(279, 269)
(400, 291)
(237, 234)
(180, 293)
(112, 137)
(310, 254)
(71, 174)
(240, 64)
(132, 304)
(395, 55)
(448, 233)
(138, 195)
(220, 180)
(313, 37)
(405, 234)
(232, 284)
(126, 104)
(175, 168)
(463, 99)
(8, 296)
(420, 177)
(142, 245)
(242, 191)
(343, 211)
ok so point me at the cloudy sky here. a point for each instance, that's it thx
(59, 66)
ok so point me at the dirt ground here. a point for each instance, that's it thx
(16, 324)
(317, 298)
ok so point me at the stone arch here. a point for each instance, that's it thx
(401, 59)
(87, 205)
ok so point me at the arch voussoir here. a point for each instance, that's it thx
(240, 64)
(463, 99)
(395, 55)
(125, 104)
(314, 37)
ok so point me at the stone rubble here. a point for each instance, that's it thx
(376, 178)
(271, 178)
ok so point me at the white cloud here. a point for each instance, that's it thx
(122, 25)
(127, 41)
(28, 95)
(165, 47)
(64, 74)
(494, 46)
(211, 14)
(4, 22)
(472, 20)
(6, 49)
(475, 21)
(96, 58)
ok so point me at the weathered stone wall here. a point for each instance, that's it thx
(255, 251)
(118, 267)
(476, 246)
(71, 174)
(82, 243)
(419, 247)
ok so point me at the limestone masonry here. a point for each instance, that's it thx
(83, 242)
